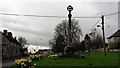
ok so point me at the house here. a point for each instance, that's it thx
(10, 46)
(114, 40)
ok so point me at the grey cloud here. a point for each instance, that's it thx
(44, 27)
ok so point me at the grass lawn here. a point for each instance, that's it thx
(95, 59)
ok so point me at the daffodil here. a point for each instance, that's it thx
(35, 64)
(17, 61)
(22, 63)
(30, 60)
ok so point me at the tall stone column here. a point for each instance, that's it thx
(68, 48)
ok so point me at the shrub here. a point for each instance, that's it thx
(114, 45)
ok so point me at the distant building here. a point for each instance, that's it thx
(10, 46)
(114, 40)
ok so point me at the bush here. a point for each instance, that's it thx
(114, 45)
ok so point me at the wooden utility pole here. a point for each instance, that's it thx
(103, 34)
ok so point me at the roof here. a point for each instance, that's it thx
(116, 34)
(11, 39)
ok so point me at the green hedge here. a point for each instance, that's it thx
(114, 45)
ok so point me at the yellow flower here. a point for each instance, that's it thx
(22, 63)
(23, 60)
(34, 64)
(32, 56)
(30, 60)
(18, 61)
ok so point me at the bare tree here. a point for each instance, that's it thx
(62, 29)
(96, 38)
(22, 41)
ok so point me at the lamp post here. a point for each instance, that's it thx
(68, 48)
(69, 8)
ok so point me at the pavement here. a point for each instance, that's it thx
(8, 63)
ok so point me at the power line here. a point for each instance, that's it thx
(111, 14)
(55, 16)
(29, 15)
(109, 27)
(32, 15)
(87, 17)
(94, 25)
(9, 14)
(46, 16)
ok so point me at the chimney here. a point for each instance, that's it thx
(15, 38)
(10, 34)
(5, 32)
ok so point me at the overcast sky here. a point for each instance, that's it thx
(40, 30)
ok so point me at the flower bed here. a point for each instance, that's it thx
(24, 63)
(35, 57)
(27, 63)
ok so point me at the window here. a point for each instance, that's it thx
(4, 50)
